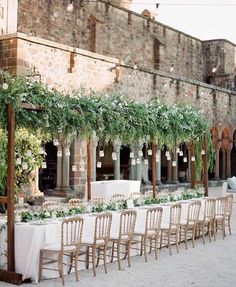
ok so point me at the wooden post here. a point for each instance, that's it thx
(10, 188)
(10, 276)
(89, 169)
(205, 169)
(192, 166)
(154, 149)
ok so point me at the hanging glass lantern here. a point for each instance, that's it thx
(149, 152)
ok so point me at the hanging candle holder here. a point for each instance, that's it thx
(193, 158)
(133, 162)
(55, 142)
(114, 156)
(174, 163)
(185, 159)
(101, 153)
(44, 165)
(203, 152)
(149, 152)
(18, 161)
(74, 168)
(41, 150)
(177, 150)
(157, 157)
(99, 164)
(181, 153)
(138, 161)
(146, 161)
(167, 154)
(131, 155)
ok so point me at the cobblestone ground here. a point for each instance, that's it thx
(213, 264)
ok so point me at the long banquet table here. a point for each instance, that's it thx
(107, 188)
(30, 237)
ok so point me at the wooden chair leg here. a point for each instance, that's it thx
(156, 246)
(150, 248)
(203, 232)
(76, 267)
(87, 258)
(60, 263)
(185, 237)
(145, 248)
(177, 241)
(229, 225)
(98, 257)
(169, 243)
(118, 255)
(93, 260)
(105, 258)
(112, 251)
(40, 265)
(128, 251)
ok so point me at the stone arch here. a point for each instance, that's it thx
(233, 154)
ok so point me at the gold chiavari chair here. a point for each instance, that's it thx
(117, 197)
(125, 236)
(228, 213)
(220, 214)
(188, 227)
(206, 222)
(135, 195)
(99, 242)
(22, 206)
(170, 232)
(50, 204)
(97, 200)
(75, 202)
(71, 234)
(151, 232)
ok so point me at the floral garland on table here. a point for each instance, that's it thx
(163, 197)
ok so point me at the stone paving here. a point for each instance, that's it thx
(213, 264)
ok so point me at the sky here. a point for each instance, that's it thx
(204, 19)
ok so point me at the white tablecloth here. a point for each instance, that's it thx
(29, 238)
(106, 189)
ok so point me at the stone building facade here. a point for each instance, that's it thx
(153, 59)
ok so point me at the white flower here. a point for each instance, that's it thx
(5, 86)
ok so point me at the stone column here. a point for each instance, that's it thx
(175, 168)
(132, 174)
(59, 167)
(217, 164)
(169, 171)
(94, 159)
(66, 167)
(117, 161)
(139, 163)
(223, 166)
(158, 168)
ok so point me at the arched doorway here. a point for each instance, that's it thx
(233, 156)
(47, 176)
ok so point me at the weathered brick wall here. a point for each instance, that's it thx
(8, 55)
(219, 54)
(108, 30)
(97, 72)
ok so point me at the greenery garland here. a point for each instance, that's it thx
(111, 118)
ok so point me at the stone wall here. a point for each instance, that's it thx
(64, 67)
(112, 31)
(97, 72)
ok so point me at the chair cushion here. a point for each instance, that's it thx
(219, 217)
(142, 232)
(232, 183)
(123, 237)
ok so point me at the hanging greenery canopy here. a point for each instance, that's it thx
(110, 117)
